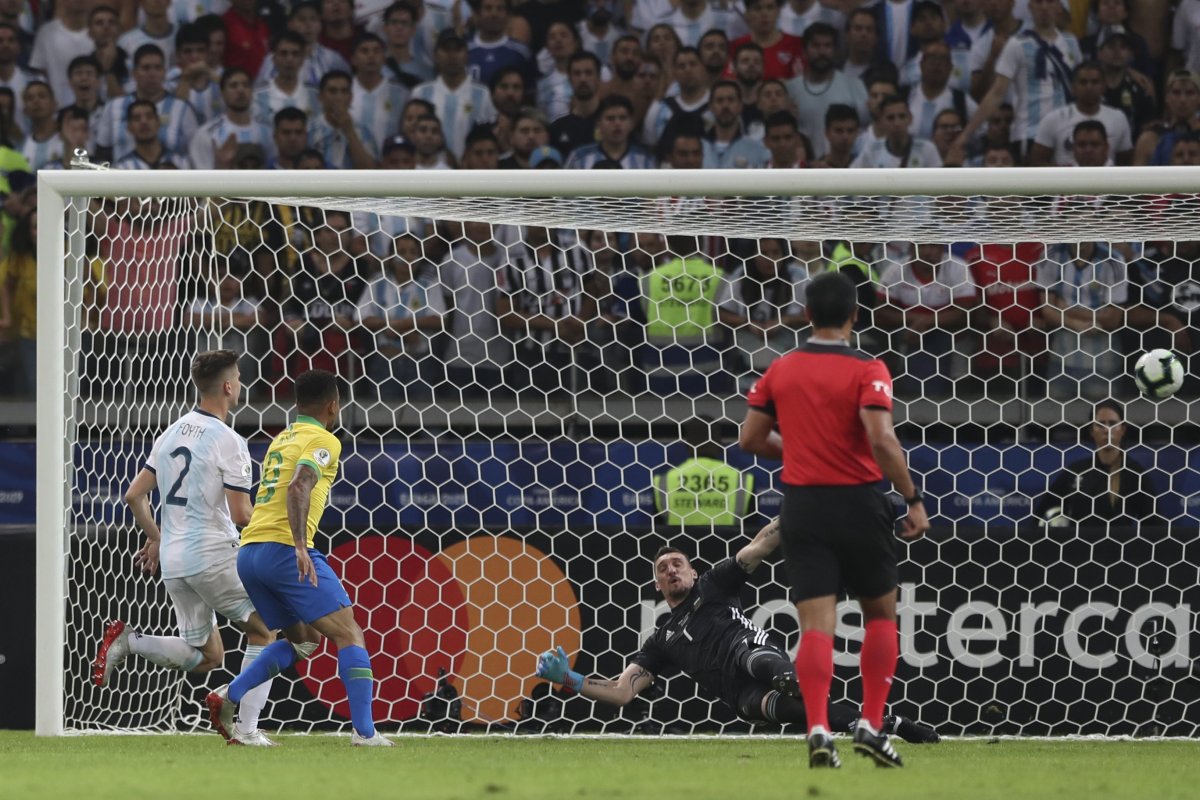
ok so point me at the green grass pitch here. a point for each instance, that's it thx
(326, 767)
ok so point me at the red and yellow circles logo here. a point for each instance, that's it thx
(482, 610)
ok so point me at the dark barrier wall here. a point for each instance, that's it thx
(1034, 631)
(17, 673)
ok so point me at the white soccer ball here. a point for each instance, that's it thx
(1158, 374)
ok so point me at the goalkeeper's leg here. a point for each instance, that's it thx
(771, 666)
(760, 704)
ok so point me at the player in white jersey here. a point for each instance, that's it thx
(202, 471)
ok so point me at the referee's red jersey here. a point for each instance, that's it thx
(815, 394)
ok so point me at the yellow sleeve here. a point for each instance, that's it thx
(321, 451)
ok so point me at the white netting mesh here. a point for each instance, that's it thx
(515, 384)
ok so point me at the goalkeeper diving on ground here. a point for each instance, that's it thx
(708, 637)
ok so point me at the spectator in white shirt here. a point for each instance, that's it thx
(934, 92)
(156, 28)
(1054, 141)
(60, 40)
(898, 148)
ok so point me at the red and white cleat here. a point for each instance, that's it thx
(221, 712)
(114, 649)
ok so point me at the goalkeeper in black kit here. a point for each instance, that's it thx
(709, 638)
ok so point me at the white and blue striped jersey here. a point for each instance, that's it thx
(131, 40)
(178, 125)
(213, 134)
(921, 153)
(135, 161)
(1039, 83)
(383, 298)
(332, 144)
(586, 157)
(269, 100)
(322, 60)
(925, 110)
(40, 153)
(459, 109)
(554, 95)
(381, 230)
(206, 102)
(379, 109)
(195, 461)
(438, 15)
(185, 11)
(19, 80)
(1091, 283)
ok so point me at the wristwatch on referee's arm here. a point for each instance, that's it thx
(917, 497)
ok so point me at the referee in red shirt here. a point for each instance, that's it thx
(833, 408)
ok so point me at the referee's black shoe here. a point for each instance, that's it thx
(821, 752)
(786, 684)
(876, 746)
(910, 730)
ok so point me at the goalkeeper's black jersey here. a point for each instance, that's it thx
(704, 634)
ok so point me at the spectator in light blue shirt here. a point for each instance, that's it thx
(344, 142)
(402, 308)
(725, 145)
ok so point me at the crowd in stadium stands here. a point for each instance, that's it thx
(588, 84)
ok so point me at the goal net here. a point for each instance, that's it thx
(527, 357)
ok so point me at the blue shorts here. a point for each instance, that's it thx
(268, 571)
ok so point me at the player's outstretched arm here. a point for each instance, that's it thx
(137, 497)
(761, 546)
(554, 667)
(299, 499)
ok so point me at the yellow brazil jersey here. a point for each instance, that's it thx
(307, 442)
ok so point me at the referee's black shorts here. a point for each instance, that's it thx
(838, 538)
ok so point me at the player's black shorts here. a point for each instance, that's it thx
(838, 538)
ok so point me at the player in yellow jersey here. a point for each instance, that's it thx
(289, 581)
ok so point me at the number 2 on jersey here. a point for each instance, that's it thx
(270, 476)
(173, 498)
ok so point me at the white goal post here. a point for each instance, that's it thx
(1061, 206)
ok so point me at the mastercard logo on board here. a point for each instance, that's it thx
(481, 609)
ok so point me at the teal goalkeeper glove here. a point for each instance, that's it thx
(554, 667)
